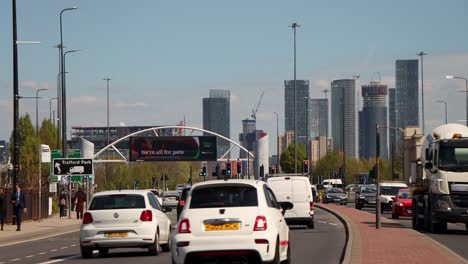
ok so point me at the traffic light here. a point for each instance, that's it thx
(272, 169)
(305, 166)
(203, 172)
(239, 167)
(228, 168)
(262, 171)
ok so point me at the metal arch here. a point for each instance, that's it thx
(164, 127)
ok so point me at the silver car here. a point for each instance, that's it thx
(170, 198)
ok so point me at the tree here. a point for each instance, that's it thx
(48, 134)
(287, 158)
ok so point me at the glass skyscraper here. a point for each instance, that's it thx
(302, 92)
(318, 118)
(217, 117)
(407, 96)
(343, 111)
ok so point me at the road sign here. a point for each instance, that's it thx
(53, 179)
(73, 166)
(71, 153)
(76, 179)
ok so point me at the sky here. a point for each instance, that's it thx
(164, 56)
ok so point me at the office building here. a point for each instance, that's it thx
(343, 115)
(374, 112)
(407, 96)
(302, 93)
(318, 117)
(217, 117)
(248, 139)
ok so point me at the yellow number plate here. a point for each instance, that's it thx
(117, 234)
(218, 227)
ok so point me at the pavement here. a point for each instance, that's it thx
(392, 243)
(34, 230)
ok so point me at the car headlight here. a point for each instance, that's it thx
(362, 197)
(328, 196)
(444, 205)
(399, 204)
(343, 197)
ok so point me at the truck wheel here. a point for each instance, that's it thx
(466, 226)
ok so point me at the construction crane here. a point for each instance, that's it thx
(254, 111)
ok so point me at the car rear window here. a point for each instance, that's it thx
(117, 201)
(224, 196)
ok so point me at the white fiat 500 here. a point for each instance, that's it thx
(232, 221)
(124, 219)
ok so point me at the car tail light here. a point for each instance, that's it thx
(181, 202)
(184, 226)
(311, 204)
(260, 223)
(87, 218)
(261, 241)
(146, 216)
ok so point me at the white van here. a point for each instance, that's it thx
(297, 190)
(332, 183)
(389, 189)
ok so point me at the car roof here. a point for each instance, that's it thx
(122, 192)
(393, 184)
(253, 183)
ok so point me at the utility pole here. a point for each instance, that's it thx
(421, 55)
(294, 26)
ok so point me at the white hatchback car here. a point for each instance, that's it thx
(232, 221)
(124, 219)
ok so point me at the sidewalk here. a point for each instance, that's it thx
(33, 230)
(392, 243)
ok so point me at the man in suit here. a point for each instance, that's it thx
(19, 205)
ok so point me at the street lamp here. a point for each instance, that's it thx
(445, 103)
(50, 109)
(108, 133)
(377, 176)
(306, 98)
(61, 115)
(277, 145)
(37, 110)
(64, 107)
(466, 90)
(421, 54)
(294, 26)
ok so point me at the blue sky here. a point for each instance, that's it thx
(164, 56)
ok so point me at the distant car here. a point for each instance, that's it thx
(124, 219)
(403, 204)
(157, 194)
(387, 191)
(179, 187)
(170, 198)
(182, 200)
(233, 221)
(335, 195)
(366, 196)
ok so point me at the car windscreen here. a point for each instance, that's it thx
(368, 190)
(387, 190)
(117, 201)
(334, 191)
(224, 196)
(404, 195)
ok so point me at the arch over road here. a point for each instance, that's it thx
(155, 129)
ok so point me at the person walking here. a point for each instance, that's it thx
(63, 206)
(80, 199)
(3, 207)
(19, 205)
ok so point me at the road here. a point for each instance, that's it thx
(455, 239)
(325, 242)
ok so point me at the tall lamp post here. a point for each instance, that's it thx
(277, 145)
(108, 132)
(445, 103)
(64, 107)
(294, 26)
(421, 54)
(37, 110)
(466, 91)
(62, 115)
(50, 108)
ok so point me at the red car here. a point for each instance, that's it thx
(402, 204)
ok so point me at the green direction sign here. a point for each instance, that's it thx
(76, 179)
(72, 154)
(53, 178)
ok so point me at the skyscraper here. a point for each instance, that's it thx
(217, 117)
(302, 91)
(343, 111)
(407, 96)
(374, 112)
(318, 117)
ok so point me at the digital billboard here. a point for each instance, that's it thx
(187, 148)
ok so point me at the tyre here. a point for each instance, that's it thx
(167, 247)
(311, 224)
(154, 249)
(103, 252)
(466, 226)
(86, 252)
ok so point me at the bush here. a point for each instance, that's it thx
(55, 207)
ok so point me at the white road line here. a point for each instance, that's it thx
(42, 253)
(53, 250)
(322, 222)
(16, 259)
(2, 262)
(74, 245)
(30, 256)
(63, 247)
(333, 224)
(58, 260)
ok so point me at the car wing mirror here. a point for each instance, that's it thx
(284, 206)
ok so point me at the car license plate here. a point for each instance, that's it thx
(116, 234)
(218, 227)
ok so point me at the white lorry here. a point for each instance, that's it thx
(441, 195)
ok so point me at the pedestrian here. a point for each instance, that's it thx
(80, 199)
(63, 206)
(73, 202)
(19, 205)
(3, 207)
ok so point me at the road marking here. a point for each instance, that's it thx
(16, 259)
(333, 224)
(42, 253)
(53, 250)
(74, 245)
(58, 260)
(322, 222)
(63, 247)
(30, 256)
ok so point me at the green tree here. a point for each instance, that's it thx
(48, 134)
(287, 158)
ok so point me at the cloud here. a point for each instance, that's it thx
(129, 105)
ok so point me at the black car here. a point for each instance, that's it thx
(335, 195)
(366, 196)
(182, 199)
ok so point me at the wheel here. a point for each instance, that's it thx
(103, 252)
(311, 224)
(167, 247)
(154, 249)
(86, 252)
(466, 226)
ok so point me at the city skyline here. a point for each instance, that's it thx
(150, 75)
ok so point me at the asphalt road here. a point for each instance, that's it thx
(324, 244)
(455, 239)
